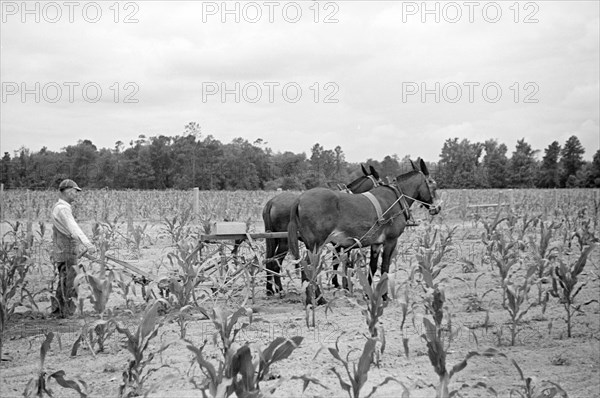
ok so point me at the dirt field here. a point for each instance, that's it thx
(542, 349)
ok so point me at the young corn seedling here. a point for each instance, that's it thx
(237, 373)
(430, 266)
(407, 306)
(544, 254)
(136, 374)
(98, 331)
(516, 304)
(14, 266)
(504, 257)
(225, 323)
(437, 352)
(357, 374)
(376, 303)
(38, 385)
(564, 284)
(178, 228)
(529, 389)
(312, 267)
(474, 300)
(186, 260)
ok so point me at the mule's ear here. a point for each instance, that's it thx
(424, 168)
(374, 172)
(414, 166)
(362, 166)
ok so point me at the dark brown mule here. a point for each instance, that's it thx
(349, 221)
(276, 216)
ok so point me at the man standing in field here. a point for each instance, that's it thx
(67, 236)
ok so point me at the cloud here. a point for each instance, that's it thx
(368, 56)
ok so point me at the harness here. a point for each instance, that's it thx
(344, 188)
(400, 198)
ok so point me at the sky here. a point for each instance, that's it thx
(376, 78)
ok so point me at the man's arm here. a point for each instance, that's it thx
(67, 221)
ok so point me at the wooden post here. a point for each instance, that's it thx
(511, 199)
(29, 220)
(1, 203)
(2, 209)
(196, 201)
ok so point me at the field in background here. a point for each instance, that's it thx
(157, 230)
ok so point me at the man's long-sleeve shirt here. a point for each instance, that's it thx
(65, 225)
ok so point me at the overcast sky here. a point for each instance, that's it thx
(348, 73)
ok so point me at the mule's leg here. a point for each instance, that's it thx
(388, 249)
(335, 264)
(280, 253)
(271, 263)
(375, 249)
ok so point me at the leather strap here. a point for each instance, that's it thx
(376, 205)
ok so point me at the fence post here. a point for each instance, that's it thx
(29, 220)
(2, 209)
(1, 203)
(196, 201)
(511, 199)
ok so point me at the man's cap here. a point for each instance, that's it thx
(66, 184)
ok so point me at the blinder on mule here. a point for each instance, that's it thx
(436, 205)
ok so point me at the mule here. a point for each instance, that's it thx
(377, 218)
(276, 217)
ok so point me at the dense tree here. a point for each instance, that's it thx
(193, 160)
(459, 164)
(549, 174)
(594, 176)
(495, 164)
(571, 161)
(522, 166)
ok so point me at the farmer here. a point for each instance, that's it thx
(68, 238)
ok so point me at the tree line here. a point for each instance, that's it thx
(191, 160)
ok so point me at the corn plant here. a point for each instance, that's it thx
(185, 260)
(98, 331)
(357, 374)
(407, 306)
(491, 230)
(437, 351)
(312, 266)
(429, 258)
(375, 304)
(474, 299)
(14, 266)
(224, 324)
(517, 302)
(565, 287)
(38, 385)
(504, 257)
(178, 228)
(136, 373)
(237, 373)
(544, 254)
(529, 389)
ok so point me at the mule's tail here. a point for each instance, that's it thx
(293, 231)
(270, 242)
